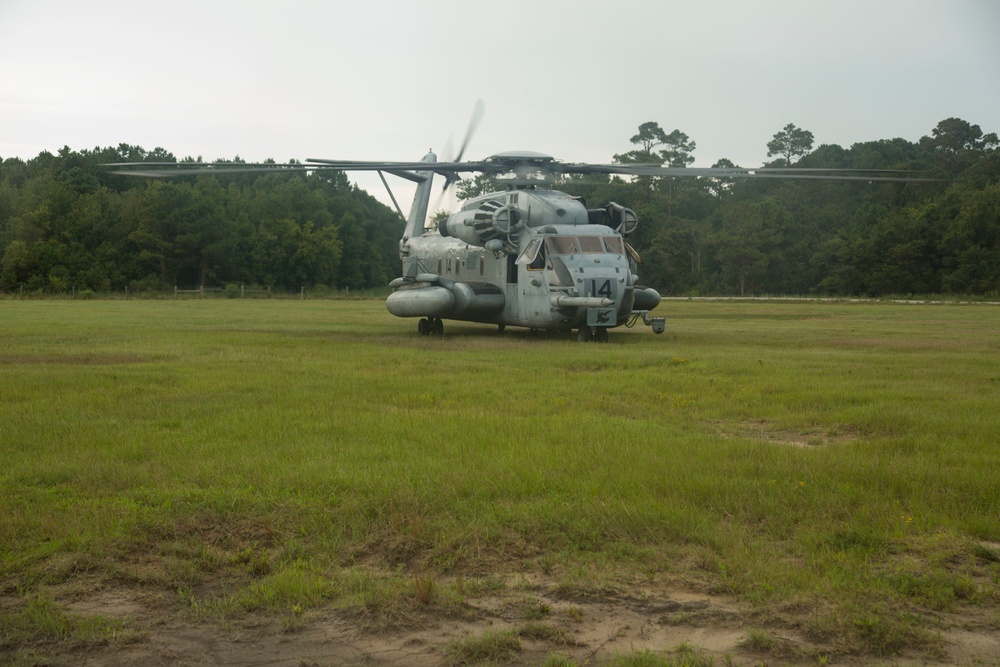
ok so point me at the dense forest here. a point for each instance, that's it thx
(66, 222)
(819, 237)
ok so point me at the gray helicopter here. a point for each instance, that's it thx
(527, 256)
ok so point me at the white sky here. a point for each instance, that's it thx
(386, 80)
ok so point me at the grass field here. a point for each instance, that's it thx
(832, 469)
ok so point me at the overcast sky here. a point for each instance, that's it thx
(386, 80)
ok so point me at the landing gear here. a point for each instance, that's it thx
(596, 334)
(430, 325)
(501, 327)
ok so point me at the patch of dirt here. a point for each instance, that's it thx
(973, 647)
(111, 603)
(589, 630)
(767, 432)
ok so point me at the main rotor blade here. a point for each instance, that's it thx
(452, 177)
(360, 165)
(895, 175)
(201, 164)
(477, 116)
(521, 164)
(208, 169)
(312, 164)
(493, 167)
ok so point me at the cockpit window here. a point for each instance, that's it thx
(568, 245)
(560, 245)
(613, 244)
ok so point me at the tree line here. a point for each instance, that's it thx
(67, 222)
(817, 237)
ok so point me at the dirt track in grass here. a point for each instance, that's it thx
(587, 630)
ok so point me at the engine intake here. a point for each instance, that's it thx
(615, 216)
(492, 220)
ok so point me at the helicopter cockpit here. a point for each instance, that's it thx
(538, 249)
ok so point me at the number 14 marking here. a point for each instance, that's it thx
(601, 288)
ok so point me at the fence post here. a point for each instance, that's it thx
(242, 287)
(175, 291)
(302, 292)
(268, 291)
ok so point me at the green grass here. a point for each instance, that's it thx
(498, 646)
(38, 620)
(490, 647)
(683, 655)
(282, 455)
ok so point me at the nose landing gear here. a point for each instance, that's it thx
(595, 334)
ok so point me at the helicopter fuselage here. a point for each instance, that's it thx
(529, 258)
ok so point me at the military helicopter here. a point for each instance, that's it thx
(527, 256)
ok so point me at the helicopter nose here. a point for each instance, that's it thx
(610, 286)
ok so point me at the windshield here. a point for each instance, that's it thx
(614, 244)
(568, 245)
(560, 245)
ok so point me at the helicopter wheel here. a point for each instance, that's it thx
(422, 327)
(501, 327)
(437, 326)
(601, 334)
(584, 335)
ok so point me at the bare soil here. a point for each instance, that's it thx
(589, 630)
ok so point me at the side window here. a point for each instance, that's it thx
(531, 253)
(538, 263)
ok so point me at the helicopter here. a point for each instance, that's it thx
(527, 256)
